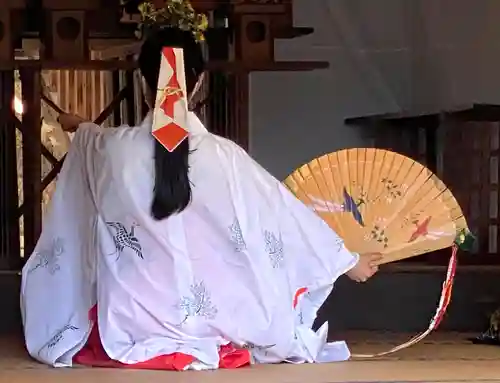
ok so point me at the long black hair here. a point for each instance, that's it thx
(172, 189)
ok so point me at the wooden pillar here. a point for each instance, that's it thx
(115, 84)
(255, 26)
(9, 199)
(217, 111)
(130, 99)
(32, 157)
(241, 89)
(228, 107)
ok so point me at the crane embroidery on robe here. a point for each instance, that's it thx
(48, 258)
(237, 236)
(300, 317)
(274, 247)
(339, 244)
(252, 346)
(60, 335)
(124, 239)
(198, 303)
(299, 294)
(255, 349)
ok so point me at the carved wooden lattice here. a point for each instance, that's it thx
(105, 114)
(66, 92)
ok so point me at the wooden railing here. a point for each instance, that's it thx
(21, 208)
(110, 98)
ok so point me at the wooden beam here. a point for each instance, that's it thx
(256, 7)
(74, 5)
(118, 51)
(291, 33)
(206, 5)
(396, 119)
(471, 112)
(112, 107)
(95, 44)
(98, 44)
(225, 66)
(13, 4)
(476, 112)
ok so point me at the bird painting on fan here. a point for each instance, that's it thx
(348, 206)
(411, 219)
(422, 230)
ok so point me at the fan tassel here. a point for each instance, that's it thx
(438, 316)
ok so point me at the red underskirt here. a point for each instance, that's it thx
(94, 355)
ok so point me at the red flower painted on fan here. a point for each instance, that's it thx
(421, 231)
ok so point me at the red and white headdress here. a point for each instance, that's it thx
(170, 116)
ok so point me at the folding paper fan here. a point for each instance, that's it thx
(379, 201)
(170, 113)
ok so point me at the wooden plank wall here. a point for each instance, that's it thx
(88, 94)
(470, 168)
(227, 108)
(85, 93)
(408, 141)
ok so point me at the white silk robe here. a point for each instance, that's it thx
(227, 270)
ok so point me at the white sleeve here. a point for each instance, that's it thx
(58, 280)
(317, 244)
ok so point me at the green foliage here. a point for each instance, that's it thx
(174, 13)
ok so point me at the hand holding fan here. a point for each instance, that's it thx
(383, 202)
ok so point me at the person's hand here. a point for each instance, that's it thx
(70, 122)
(366, 267)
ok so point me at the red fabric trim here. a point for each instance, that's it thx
(94, 355)
(297, 295)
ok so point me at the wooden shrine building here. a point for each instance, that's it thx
(78, 56)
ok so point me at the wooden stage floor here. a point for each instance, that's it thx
(446, 357)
